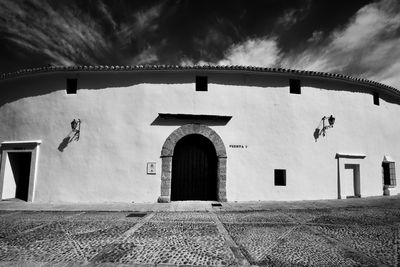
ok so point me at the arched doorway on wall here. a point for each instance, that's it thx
(203, 138)
(194, 169)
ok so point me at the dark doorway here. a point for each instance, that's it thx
(21, 164)
(194, 169)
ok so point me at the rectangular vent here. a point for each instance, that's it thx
(295, 86)
(376, 98)
(72, 86)
(201, 83)
(216, 204)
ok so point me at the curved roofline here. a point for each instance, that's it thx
(90, 68)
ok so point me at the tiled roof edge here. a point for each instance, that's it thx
(23, 72)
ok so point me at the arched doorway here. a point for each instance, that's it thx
(167, 154)
(194, 169)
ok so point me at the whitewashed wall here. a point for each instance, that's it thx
(108, 163)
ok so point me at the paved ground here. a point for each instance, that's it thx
(352, 232)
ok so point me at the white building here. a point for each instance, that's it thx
(149, 133)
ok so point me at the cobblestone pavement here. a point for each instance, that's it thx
(326, 236)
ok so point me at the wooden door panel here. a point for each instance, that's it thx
(194, 169)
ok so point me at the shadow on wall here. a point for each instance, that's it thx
(72, 136)
(338, 85)
(182, 119)
(64, 143)
(45, 83)
(317, 134)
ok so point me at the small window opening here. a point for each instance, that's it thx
(295, 87)
(389, 174)
(72, 86)
(280, 177)
(201, 83)
(376, 99)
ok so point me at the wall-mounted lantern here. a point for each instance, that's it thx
(324, 125)
(331, 122)
(76, 129)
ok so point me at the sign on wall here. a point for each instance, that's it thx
(238, 146)
(151, 168)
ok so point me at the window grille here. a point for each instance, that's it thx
(389, 174)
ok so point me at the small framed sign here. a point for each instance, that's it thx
(151, 168)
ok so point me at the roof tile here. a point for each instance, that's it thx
(22, 72)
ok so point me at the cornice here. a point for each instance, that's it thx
(24, 72)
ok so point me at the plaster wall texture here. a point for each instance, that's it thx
(120, 132)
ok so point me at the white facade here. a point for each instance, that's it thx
(270, 128)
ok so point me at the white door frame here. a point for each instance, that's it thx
(21, 146)
(352, 159)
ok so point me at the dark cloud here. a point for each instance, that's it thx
(63, 36)
(366, 46)
(69, 33)
(306, 34)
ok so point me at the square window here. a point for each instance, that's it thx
(72, 86)
(201, 83)
(295, 87)
(280, 177)
(376, 99)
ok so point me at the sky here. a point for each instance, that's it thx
(360, 38)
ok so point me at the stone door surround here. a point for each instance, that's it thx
(167, 153)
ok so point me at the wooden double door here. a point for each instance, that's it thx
(194, 169)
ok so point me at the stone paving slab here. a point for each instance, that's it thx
(93, 241)
(254, 217)
(359, 216)
(369, 236)
(106, 216)
(183, 216)
(375, 242)
(254, 240)
(172, 243)
(41, 216)
(6, 212)
(303, 248)
(60, 236)
(307, 215)
(47, 243)
(17, 226)
(17, 223)
(64, 264)
(282, 245)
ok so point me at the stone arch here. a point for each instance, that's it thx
(168, 151)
